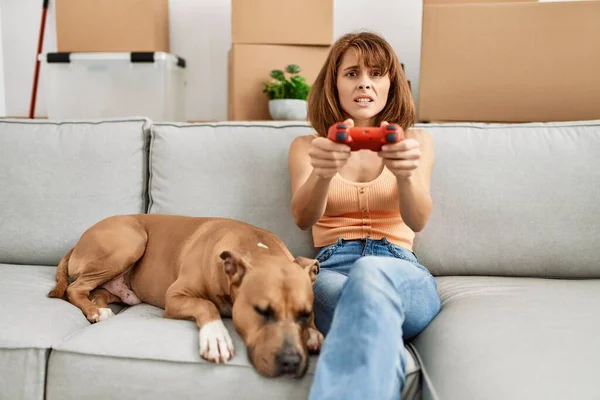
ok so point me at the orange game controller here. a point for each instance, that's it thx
(365, 138)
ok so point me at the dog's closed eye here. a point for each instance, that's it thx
(266, 312)
(303, 317)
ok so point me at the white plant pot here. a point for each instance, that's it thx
(288, 109)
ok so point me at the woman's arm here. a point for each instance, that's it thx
(412, 162)
(312, 163)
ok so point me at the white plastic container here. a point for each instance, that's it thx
(106, 85)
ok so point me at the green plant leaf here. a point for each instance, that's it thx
(293, 69)
(282, 87)
(278, 74)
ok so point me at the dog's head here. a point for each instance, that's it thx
(273, 309)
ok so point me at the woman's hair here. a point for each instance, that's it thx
(373, 51)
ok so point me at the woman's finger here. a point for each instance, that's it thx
(328, 155)
(402, 164)
(406, 144)
(401, 155)
(327, 164)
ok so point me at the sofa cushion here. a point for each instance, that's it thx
(519, 200)
(30, 324)
(57, 178)
(140, 354)
(500, 338)
(233, 170)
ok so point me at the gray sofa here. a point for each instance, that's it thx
(513, 242)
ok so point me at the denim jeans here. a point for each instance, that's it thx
(382, 296)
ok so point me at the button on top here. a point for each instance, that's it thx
(362, 190)
(364, 210)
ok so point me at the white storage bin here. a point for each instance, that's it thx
(98, 85)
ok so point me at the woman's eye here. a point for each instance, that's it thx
(376, 73)
(351, 74)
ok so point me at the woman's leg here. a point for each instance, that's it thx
(327, 289)
(336, 262)
(383, 301)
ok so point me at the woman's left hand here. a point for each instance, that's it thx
(401, 158)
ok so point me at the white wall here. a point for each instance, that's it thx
(20, 29)
(2, 103)
(200, 33)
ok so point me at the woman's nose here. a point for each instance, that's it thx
(364, 86)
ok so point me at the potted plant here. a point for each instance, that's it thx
(287, 92)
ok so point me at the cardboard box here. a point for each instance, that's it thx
(251, 64)
(306, 22)
(428, 2)
(510, 62)
(112, 25)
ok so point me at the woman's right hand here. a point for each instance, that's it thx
(328, 157)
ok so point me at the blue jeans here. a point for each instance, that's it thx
(381, 296)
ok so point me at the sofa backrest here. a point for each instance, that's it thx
(58, 178)
(229, 169)
(509, 200)
(518, 200)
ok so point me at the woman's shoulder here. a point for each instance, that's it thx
(420, 135)
(303, 140)
(417, 133)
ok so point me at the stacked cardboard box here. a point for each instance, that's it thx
(112, 25)
(268, 35)
(510, 61)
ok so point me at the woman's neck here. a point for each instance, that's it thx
(363, 122)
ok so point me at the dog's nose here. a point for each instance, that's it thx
(288, 360)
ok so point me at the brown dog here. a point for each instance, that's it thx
(200, 269)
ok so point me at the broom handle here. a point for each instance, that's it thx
(37, 61)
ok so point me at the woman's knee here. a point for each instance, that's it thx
(387, 273)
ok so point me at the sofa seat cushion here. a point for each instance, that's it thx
(512, 338)
(140, 354)
(30, 324)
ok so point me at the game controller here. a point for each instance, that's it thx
(365, 138)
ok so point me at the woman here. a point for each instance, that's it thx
(364, 208)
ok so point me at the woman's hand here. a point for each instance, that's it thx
(401, 158)
(328, 157)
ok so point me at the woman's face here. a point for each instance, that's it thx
(362, 93)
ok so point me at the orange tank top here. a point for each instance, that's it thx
(357, 210)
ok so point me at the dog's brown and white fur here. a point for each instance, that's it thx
(200, 269)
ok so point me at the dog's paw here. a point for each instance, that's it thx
(105, 313)
(101, 315)
(315, 340)
(215, 342)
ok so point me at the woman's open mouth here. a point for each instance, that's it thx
(363, 101)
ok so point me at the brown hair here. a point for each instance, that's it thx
(373, 51)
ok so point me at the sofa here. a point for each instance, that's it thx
(513, 241)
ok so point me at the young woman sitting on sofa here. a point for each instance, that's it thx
(364, 208)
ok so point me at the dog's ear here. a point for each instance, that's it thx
(310, 265)
(234, 266)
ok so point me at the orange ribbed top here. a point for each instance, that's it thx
(357, 210)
